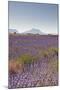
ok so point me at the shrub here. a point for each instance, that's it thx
(15, 67)
(53, 51)
(26, 59)
(45, 53)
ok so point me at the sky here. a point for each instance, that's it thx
(24, 16)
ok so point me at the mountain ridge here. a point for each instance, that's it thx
(34, 31)
(31, 31)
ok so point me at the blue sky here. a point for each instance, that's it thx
(24, 16)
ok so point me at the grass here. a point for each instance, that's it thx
(47, 53)
(18, 65)
(26, 59)
(53, 50)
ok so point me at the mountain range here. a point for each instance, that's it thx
(32, 31)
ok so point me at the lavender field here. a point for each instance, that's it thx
(33, 60)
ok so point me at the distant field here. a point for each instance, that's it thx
(33, 60)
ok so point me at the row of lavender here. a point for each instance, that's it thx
(39, 57)
(20, 44)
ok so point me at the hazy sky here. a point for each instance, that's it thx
(24, 16)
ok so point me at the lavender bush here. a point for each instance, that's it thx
(33, 60)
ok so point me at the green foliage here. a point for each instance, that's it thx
(53, 50)
(25, 59)
(44, 53)
(49, 52)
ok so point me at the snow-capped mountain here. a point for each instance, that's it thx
(34, 31)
